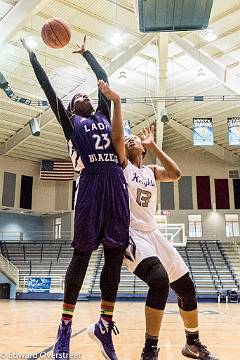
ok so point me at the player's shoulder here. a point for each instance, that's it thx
(150, 168)
(128, 166)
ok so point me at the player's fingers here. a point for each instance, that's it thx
(77, 51)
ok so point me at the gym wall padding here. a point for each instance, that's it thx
(236, 189)
(167, 196)
(185, 193)
(26, 192)
(9, 188)
(222, 194)
(203, 192)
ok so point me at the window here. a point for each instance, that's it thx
(232, 225)
(58, 228)
(195, 226)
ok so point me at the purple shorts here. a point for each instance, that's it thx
(102, 210)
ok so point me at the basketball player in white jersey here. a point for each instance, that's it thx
(149, 255)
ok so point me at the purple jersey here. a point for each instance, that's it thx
(102, 204)
(91, 138)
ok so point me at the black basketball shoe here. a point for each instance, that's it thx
(197, 351)
(150, 355)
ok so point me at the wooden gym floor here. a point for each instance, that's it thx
(29, 327)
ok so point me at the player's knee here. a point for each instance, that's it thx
(79, 263)
(157, 298)
(152, 272)
(112, 266)
(81, 256)
(185, 290)
(156, 277)
(114, 256)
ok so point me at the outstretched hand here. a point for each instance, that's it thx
(105, 89)
(147, 136)
(81, 49)
(24, 43)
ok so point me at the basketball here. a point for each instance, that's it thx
(56, 33)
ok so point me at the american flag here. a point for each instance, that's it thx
(56, 170)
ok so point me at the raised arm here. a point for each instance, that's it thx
(169, 171)
(104, 104)
(62, 115)
(117, 122)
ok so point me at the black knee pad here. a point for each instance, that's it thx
(153, 273)
(110, 275)
(185, 290)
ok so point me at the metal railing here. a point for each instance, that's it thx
(210, 257)
(236, 245)
(210, 266)
(38, 236)
(228, 264)
(173, 232)
(10, 270)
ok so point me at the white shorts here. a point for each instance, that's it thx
(148, 244)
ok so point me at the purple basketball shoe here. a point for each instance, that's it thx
(61, 346)
(101, 333)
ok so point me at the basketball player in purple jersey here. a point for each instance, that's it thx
(102, 204)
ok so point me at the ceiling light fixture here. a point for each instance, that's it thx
(209, 35)
(122, 77)
(116, 39)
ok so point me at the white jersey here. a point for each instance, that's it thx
(142, 196)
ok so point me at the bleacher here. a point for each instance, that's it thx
(210, 270)
(47, 259)
(231, 251)
(213, 266)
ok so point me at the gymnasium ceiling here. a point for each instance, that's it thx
(188, 52)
